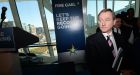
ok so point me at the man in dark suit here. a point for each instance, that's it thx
(123, 30)
(99, 54)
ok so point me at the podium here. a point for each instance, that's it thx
(11, 39)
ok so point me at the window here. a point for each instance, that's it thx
(9, 21)
(31, 22)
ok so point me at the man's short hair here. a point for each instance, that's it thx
(118, 16)
(106, 10)
(130, 9)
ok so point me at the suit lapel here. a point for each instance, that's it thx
(102, 41)
(105, 49)
(116, 39)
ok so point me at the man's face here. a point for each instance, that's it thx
(117, 22)
(131, 13)
(106, 21)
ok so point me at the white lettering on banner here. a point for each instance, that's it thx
(65, 21)
(1, 33)
(66, 5)
(62, 15)
(3, 37)
(63, 27)
(70, 4)
(62, 19)
(59, 5)
(6, 38)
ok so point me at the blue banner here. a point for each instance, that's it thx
(6, 38)
(69, 29)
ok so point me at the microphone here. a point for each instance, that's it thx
(3, 13)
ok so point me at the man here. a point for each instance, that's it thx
(99, 54)
(124, 31)
(131, 20)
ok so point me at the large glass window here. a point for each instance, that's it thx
(109, 4)
(92, 11)
(32, 23)
(100, 5)
(122, 6)
(91, 17)
(29, 15)
(50, 22)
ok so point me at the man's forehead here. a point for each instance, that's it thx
(105, 18)
(105, 15)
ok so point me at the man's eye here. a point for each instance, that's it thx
(107, 19)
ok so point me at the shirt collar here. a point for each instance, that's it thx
(106, 34)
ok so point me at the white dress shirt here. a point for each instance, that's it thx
(113, 41)
(117, 30)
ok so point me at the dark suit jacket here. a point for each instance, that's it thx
(136, 32)
(125, 32)
(99, 55)
(135, 55)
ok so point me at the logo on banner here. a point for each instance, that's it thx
(72, 50)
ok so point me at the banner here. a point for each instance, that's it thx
(69, 30)
(6, 40)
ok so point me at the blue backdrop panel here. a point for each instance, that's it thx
(69, 29)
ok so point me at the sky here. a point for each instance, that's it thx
(29, 11)
(91, 6)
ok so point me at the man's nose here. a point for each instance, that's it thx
(103, 23)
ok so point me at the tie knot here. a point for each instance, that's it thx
(108, 37)
(109, 41)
